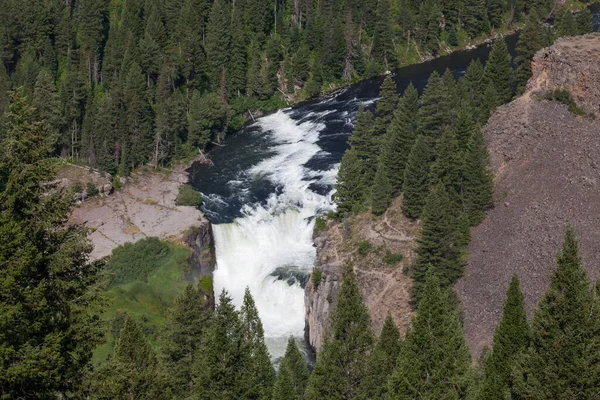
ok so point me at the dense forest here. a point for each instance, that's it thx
(123, 83)
(132, 82)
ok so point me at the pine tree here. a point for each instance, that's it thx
(448, 165)
(530, 41)
(46, 101)
(450, 86)
(387, 103)
(381, 362)
(381, 192)
(383, 43)
(132, 372)
(438, 249)
(495, 9)
(416, 177)
(498, 71)
(435, 114)
(511, 337)
(478, 190)
(565, 23)
(585, 21)
(401, 136)
(465, 125)
(434, 359)
(293, 374)
(50, 318)
(188, 319)
(341, 363)
(473, 83)
(238, 63)
(474, 17)
(256, 377)
(563, 360)
(218, 41)
(350, 194)
(217, 368)
(491, 100)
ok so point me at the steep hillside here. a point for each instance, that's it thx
(546, 163)
(379, 248)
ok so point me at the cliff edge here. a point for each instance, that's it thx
(547, 174)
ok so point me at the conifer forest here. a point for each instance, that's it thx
(122, 86)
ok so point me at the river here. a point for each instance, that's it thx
(271, 179)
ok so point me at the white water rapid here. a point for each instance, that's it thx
(278, 234)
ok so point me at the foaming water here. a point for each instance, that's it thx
(269, 248)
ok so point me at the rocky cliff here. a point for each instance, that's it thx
(378, 248)
(572, 64)
(547, 174)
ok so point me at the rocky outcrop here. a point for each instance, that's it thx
(547, 174)
(202, 261)
(364, 242)
(572, 64)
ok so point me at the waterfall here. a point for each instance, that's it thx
(269, 248)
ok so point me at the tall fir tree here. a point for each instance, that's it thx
(511, 337)
(416, 177)
(341, 363)
(472, 84)
(563, 360)
(439, 251)
(350, 195)
(381, 191)
(50, 320)
(498, 71)
(401, 136)
(585, 21)
(293, 374)
(256, 378)
(565, 23)
(434, 360)
(436, 112)
(530, 41)
(478, 179)
(218, 42)
(474, 17)
(381, 363)
(133, 371)
(387, 103)
(448, 165)
(383, 41)
(189, 318)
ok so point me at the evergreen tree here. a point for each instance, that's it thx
(511, 337)
(434, 359)
(350, 194)
(530, 41)
(293, 374)
(132, 372)
(478, 190)
(256, 377)
(381, 362)
(188, 319)
(50, 318)
(388, 100)
(383, 43)
(585, 21)
(498, 71)
(218, 41)
(447, 168)
(416, 177)
(563, 360)
(565, 23)
(495, 9)
(474, 17)
(221, 355)
(46, 101)
(435, 114)
(400, 138)
(340, 366)
(238, 59)
(491, 100)
(472, 82)
(438, 251)
(465, 125)
(381, 192)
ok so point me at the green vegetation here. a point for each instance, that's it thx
(320, 226)
(188, 196)
(564, 96)
(364, 247)
(391, 258)
(316, 276)
(91, 189)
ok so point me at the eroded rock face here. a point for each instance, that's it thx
(572, 64)
(385, 287)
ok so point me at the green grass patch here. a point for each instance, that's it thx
(564, 96)
(364, 247)
(317, 276)
(156, 279)
(188, 196)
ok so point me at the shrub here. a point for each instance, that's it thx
(188, 197)
(564, 96)
(364, 247)
(317, 275)
(206, 285)
(76, 187)
(320, 225)
(91, 190)
(135, 261)
(391, 258)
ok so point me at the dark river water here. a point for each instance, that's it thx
(269, 181)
